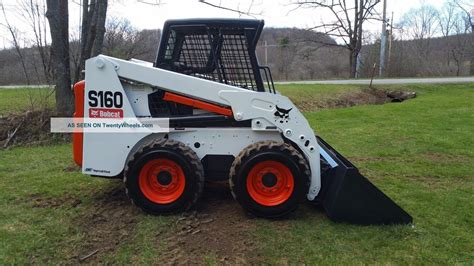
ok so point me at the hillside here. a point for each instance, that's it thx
(292, 54)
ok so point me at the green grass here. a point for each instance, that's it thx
(420, 153)
(14, 100)
(307, 98)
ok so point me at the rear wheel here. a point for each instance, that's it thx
(269, 179)
(164, 176)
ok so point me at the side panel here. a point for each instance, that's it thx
(221, 141)
(217, 147)
(105, 153)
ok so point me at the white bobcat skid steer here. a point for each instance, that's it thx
(227, 123)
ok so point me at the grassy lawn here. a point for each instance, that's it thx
(420, 153)
(14, 100)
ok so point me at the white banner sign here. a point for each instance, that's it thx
(109, 125)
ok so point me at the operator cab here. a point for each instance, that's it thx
(221, 50)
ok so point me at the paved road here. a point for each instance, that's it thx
(346, 81)
(23, 86)
(385, 81)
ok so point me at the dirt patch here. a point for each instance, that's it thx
(28, 128)
(216, 231)
(218, 228)
(443, 157)
(72, 169)
(66, 200)
(111, 221)
(427, 181)
(369, 159)
(361, 97)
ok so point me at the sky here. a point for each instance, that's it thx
(276, 13)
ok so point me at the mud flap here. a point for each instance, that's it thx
(347, 196)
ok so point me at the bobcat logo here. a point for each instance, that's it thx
(282, 115)
(94, 113)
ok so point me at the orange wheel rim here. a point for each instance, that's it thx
(270, 183)
(162, 181)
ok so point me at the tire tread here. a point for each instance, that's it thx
(179, 147)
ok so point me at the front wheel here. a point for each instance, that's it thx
(269, 179)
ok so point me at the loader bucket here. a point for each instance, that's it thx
(347, 196)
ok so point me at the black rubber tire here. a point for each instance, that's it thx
(180, 154)
(269, 150)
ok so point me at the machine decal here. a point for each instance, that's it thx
(105, 104)
(282, 115)
(89, 169)
(105, 113)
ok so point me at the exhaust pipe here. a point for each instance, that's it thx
(347, 196)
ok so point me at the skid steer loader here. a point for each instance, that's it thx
(227, 122)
